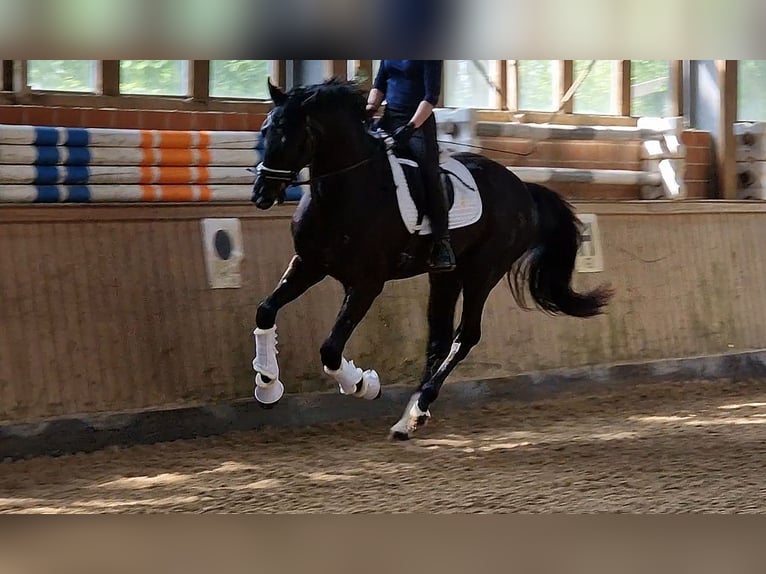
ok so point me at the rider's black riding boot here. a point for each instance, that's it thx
(442, 258)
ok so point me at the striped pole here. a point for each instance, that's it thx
(54, 164)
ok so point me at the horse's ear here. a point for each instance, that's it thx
(277, 95)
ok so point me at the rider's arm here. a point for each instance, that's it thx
(375, 99)
(432, 71)
(422, 113)
(378, 91)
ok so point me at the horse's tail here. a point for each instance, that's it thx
(547, 267)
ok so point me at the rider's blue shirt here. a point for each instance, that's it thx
(406, 83)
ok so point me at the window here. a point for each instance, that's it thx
(154, 77)
(467, 83)
(751, 102)
(62, 75)
(650, 88)
(597, 93)
(539, 82)
(240, 79)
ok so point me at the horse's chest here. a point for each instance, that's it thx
(333, 252)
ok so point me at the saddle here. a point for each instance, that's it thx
(463, 199)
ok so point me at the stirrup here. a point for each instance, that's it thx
(449, 263)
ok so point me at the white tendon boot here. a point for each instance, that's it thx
(265, 365)
(349, 376)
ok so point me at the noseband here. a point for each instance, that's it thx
(283, 175)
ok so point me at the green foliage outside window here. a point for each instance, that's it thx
(240, 79)
(62, 75)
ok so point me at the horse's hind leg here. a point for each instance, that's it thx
(351, 379)
(478, 284)
(444, 292)
(297, 279)
(443, 296)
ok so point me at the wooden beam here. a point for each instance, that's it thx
(20, 85)
(565, 119)
(109, 81)
(624, 84)
(727, 158)
(565, 82)
(500, 100)
(676, 88)
(511, 84)
(336, 68)
(364, 68)
(442, 91)
(133, 102)
(199, 80)
(6, 78)
(279, 73)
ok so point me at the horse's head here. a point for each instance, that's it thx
(288, 146)
(330, 112)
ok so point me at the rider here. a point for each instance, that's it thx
(411, 89)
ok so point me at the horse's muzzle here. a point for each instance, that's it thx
(265, 195)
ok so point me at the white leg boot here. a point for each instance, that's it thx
(265, 365)
(349, 376)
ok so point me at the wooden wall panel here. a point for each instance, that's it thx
(108, 309)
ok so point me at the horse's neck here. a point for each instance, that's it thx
(340, 199)
(338, 150)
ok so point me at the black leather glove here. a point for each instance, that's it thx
(403, 134)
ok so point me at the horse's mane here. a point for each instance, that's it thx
(331, 95)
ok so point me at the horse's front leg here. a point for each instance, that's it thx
(297, 279)
(350, 378)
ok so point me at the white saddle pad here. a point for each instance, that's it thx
(465, 210)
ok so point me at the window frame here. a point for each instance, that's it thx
(509, 88)
(14, 89)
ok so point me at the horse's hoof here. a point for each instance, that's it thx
(421, 421)
(398, 436)
(268, 407)
(418, 419)
(268, 394)
(369, 387)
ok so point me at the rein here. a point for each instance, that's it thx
(485, 148)
(290, 177)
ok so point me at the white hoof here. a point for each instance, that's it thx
(412, 420)
(268, 393)
(417, 419)
(399, 431)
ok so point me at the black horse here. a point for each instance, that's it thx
(350, 228)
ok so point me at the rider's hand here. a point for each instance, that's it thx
(404, 133)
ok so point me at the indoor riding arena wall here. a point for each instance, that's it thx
(107, 307)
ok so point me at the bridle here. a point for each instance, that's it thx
(290, 177)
